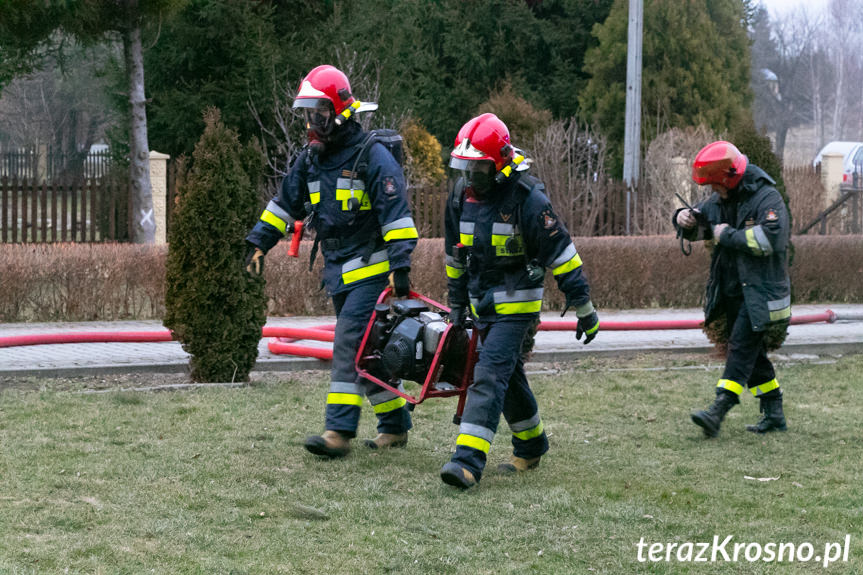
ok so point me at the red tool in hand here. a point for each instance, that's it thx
(294, 249)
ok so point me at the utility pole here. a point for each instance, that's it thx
(632, 137)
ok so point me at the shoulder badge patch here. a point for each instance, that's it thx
(389, 186)
(771, 216)
(547, 219)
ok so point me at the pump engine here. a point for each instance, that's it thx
(405, 338)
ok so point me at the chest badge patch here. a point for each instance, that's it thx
(771, 216)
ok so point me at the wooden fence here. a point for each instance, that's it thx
(428, 207)
(85, 211)
(98, 211)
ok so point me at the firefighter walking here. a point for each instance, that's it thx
(501, 235)
(746, 219)
(353, 197)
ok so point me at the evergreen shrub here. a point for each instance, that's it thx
(215, 308)
(423, 163)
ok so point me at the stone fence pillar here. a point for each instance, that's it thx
(831, 177)
(159, 187)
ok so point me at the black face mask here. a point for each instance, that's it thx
(321, 125)
(482, 183)
(478, 175)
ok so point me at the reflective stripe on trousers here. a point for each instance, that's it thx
(500, 386)
(747, 363)
(345, 397)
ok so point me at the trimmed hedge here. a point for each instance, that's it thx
(79, 282)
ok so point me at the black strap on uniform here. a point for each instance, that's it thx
(512, 204)
(358, 169)
(314, 253)
(368, 228)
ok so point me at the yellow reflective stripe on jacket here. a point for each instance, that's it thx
(344, 399)
(519, 301)
(757, 242)
(355, 269)
(465, 234)
(777, 315)
(401, 229)
(454, 273)
(477, 443)
(345, 193)
(529, 433)
(521, 307)
(315, 192)
(454, 268)
(276, 216)
(567, 261)
(274, 220)
(731, 386)
(500, 232)
(764, 387)
(779, 308)
(390, 405)
(572, 264)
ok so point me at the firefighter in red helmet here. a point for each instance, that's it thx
(747, 221)
(351, 190)
(501, 236)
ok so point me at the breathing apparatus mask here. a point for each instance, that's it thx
(478, 175)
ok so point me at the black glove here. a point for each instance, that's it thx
(457, 315)
(255, 261)
(587, 325)
(400, 282)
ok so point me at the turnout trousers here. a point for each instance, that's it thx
(499, 386)
(746, 363)
(353, 310)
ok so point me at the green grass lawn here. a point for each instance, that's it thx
(216, 480)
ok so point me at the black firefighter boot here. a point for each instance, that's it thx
(773, 418)
(711, 418)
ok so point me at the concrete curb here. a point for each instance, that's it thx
(305, 364)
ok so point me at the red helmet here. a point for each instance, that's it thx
(325, 83)
(719, 163)
(482, 138)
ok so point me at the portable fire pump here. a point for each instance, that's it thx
(410, 339)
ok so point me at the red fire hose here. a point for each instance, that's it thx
(284, 337)
(283, 343)
(828, 316)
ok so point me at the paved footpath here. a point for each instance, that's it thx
(841, 337)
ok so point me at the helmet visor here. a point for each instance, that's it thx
(477, 174)
(319, 117)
